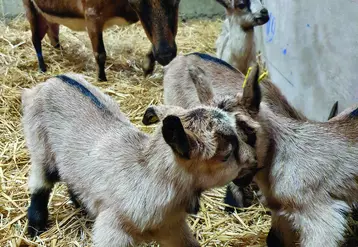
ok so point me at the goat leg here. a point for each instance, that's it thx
(95, 29)
(149, 63)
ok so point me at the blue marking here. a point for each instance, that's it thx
(39, 54)
(284, 51)
(82, 89)
(212, 59)
(354, 113)
(270, 28)
(308, 25)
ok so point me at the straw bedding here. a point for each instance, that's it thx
(125, 50)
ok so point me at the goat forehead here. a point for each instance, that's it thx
(255, 6)
(210, 120)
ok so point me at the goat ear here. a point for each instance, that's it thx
(225, 3)
(334, 110)
(251, 97)
(150, 116)
(175, 136)
(155, 114)
(202, 84)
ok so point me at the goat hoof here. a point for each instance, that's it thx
(57, 46)
(229, 210)
(37, 221)
(43, 68)
(148, 66)
(102, 78)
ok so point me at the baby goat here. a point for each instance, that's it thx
(185, 85)
(309, 169)
(78, 135)
(236, 43)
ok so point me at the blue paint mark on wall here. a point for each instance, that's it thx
(270, 28)
(284, 51)
(308, 25)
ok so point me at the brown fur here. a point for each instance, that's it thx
(138, 187)
(190, 81)
(158, 17)
(310, 180)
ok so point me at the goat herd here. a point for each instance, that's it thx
(216, 126)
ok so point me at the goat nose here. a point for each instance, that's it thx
(264, 11)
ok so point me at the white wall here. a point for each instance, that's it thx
(188, 8)
(10, 8)
(311, 49)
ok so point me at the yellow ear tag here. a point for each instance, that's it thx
(262, 76)
(153, 119)
(247, 76)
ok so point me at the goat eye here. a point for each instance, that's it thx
(227, 156)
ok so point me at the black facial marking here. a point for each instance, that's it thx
(273, 239)
(232, 139)
(248, 4)
(145, 12)
(344, 213)
(170, 9)
(37, 213)
(249, 132)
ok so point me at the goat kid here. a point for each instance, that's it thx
(309, 170)
(158, 17)
(78, 135)
(185, 84)
(236, 43)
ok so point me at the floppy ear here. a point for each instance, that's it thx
(251, 97)
(225, 3)
(154, 114)
(202, 84)
(150, 116)
(175, 136)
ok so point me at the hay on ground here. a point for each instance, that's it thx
(125, 48)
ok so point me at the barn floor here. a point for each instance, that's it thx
(125, 50)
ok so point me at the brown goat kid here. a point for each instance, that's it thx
(309, 170)
(158, 17)
(138, 187)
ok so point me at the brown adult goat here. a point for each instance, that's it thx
(158, 17)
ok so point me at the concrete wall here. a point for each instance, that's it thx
(200, 8)
(10, 8)
(188, 8)
(311, 49)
